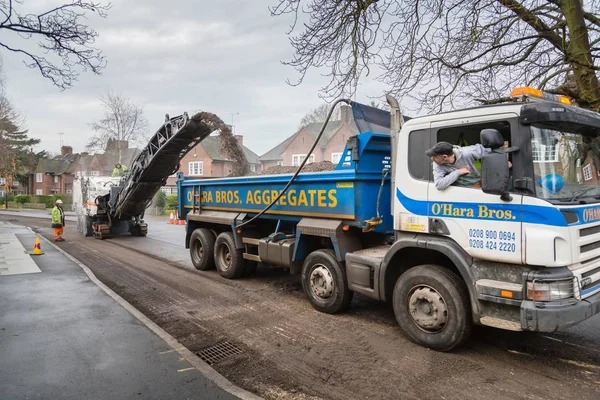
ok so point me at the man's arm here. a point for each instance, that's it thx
(442, 181)
(476, 151)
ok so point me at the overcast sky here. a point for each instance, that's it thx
(182, 55)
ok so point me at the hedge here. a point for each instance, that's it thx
(23, 198)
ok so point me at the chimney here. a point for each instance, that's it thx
(346, 114)
(66, 150)
(240, 139)
(84, 153)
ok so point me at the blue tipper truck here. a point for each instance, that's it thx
(446, 259)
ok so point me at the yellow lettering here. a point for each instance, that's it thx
(249, 198)
(312, 193)
(447, 209)
(257, 198)
(230, 197)
(209, 197)
(274, 194)
(302, 198)
(236, 197)
(508, 214)
(470, 213)
(282, 200)
(436, 209)
(266, 196)
(321, 197)
(332, 198)
(484, 212)
(292, 197)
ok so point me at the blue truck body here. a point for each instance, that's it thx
(349, 193)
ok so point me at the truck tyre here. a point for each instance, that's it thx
(228, 260)
(324, 282)
(432, 307)
(202, 247)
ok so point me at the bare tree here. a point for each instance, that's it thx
(319, 114)
(445, 52)
(59, 32)
(123, 121)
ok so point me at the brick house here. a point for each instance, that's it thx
(207, 160)
(55, 175)
(293, 150)
(103, 164)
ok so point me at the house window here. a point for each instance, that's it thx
(39, 177)
(2, 181)
(543, 153)
(279, 163)
(55, 179)
(335, 157)
(196, 168)
(253, 167)
(95, 173)
(38, 192)
(69, 191)
(587, 172)
(297, 159)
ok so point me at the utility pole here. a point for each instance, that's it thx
(60, 134)
(233, 126)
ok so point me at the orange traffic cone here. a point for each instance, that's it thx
(37, 248)
(171, 218)
(181, 222)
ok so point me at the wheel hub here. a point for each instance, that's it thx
(225, 257)
(321, 282)
(427, 308)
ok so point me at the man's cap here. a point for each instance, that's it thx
(440, 148)
(59, 201)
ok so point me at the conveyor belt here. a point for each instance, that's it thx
(159, 159)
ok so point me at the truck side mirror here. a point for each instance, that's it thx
(495, 175)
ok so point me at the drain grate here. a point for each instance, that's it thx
(218, 352)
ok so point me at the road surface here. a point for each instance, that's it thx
(285, 349)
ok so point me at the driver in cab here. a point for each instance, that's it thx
(455, 164)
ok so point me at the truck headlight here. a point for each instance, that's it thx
(550, 290)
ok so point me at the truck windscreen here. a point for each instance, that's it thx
(566, 165)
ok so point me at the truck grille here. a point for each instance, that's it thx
(589, 257)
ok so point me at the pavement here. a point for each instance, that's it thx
(63, 334)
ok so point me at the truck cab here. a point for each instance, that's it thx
(526, 242)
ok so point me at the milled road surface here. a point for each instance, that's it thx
(291, 351)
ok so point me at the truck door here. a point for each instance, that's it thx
(482, 224)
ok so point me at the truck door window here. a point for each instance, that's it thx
(468, 135)
(418, 163)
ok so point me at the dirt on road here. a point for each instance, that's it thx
(284, 349)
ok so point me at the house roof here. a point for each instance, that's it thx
(313, 129)
(212, 146)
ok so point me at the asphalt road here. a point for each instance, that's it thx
(285, 349)
(63, 337)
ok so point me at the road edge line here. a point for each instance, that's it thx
(192, 358)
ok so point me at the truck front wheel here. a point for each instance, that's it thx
(431, 304)
(229, 260)
(202, 247)
(324, 282)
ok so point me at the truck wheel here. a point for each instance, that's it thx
(431, 304)
(202, 247)
(324, 282)
(228, 260)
